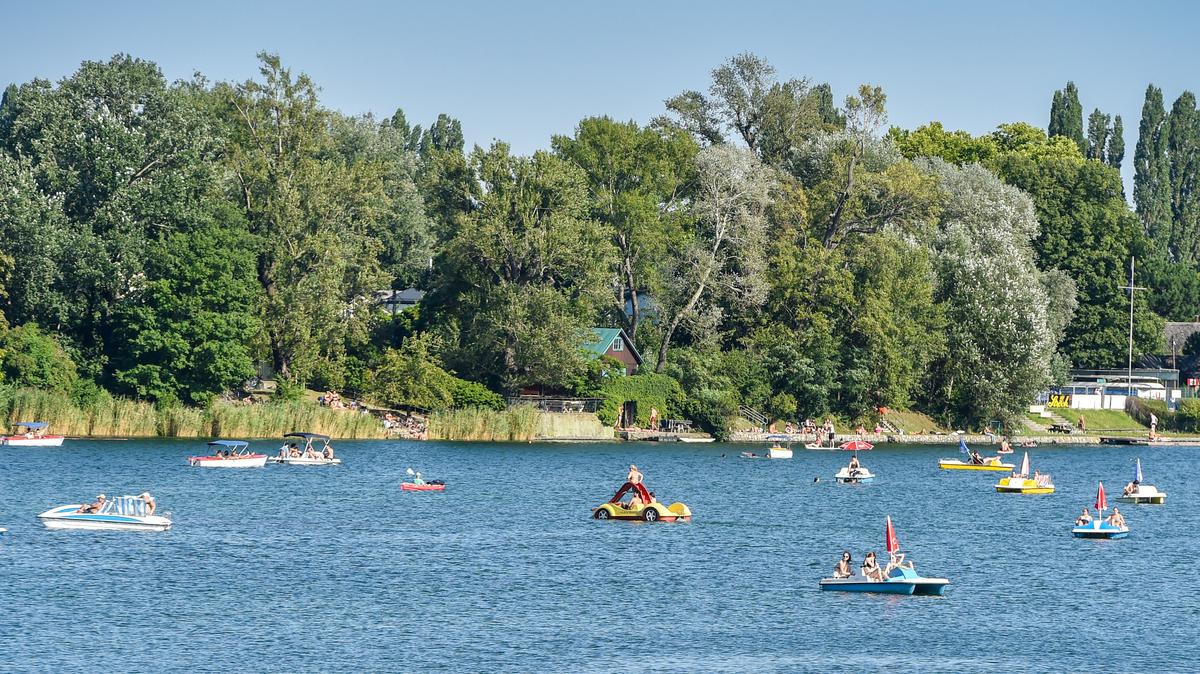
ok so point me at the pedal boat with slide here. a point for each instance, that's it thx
(34, 435)
(649, 510)
(902, 577)
(123, 513)
(990, 463)
(1099, 527)
(1142, 493)
(229, 454)
(1022, 483)
(859, 475)
(302, 460)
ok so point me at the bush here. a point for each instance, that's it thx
(287, 390)
(34, 359)
(472, 394)
(712, 411)
(647, 390)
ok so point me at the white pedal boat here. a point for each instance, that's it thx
(124, 513)
(860, 475)
(1141, 494)
(34, 436)
(229, 454)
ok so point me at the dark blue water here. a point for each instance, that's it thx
(335, 569)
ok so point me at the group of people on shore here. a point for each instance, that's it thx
(870, 567)
(333, 401)
(409, 427)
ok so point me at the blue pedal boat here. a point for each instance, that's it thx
(902, 578)
(1099, 527)
(859, 583)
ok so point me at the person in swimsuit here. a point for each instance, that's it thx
(842, 569)
(896, 561)
(149, 501)
(635, 476)
(1084, 518)
(870, 567)
(1116, 518)
(92, 507)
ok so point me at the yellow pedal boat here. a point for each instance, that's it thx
(1022, 483)
(955, 464)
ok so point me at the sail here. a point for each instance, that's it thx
(962, 446)
(890, 542)
(1025, 465)
(1101, 501)
(1137, 473)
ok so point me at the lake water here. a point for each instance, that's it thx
(335, 569)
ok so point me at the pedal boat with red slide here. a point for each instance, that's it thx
(229, 454)
(649, 510)
(34, 435)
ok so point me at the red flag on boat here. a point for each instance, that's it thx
(1101, 502)
(889, 537)
(857, 445)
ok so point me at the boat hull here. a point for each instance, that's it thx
(252, 461)
(860, 584)
(22, 441)
(408, 486)
(1099, 529)
(300, 461)
(861, 476)
(955, 464)
(1018, 485)
(697, 440)
(779, 453)
(66, 517)
(1145, 495)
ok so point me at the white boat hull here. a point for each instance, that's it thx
(860, 476)
(294, 461)
(21, 441)
(1145, 495)
(210, 462)
(66, 517)
(779, 453)
(696, 439)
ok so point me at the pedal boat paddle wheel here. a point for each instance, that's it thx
(649, 510)
(31, 434)
(900, 576)
(229, 454)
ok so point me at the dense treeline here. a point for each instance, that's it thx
(762, 245)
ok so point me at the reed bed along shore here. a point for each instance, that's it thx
(515, 424)
(109, 416)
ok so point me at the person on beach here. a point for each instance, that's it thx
(635, 476)
(1153, 425)
(842, 569)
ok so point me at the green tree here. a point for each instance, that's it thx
(639, 180)
(1152, 172)
(1097, 135)
(1183, 153)
(1114, 154)
(411, 376)
(1066, 116)
(35, 359)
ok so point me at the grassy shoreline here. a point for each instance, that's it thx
(120, 417)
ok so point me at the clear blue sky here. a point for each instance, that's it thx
(522, 71)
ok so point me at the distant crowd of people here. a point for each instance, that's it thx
(409, 427)
(333, 401)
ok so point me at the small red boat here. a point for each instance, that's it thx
(409, 486)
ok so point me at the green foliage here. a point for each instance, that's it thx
(712, 411)
(1183, 155)
(468, 394)
(34, 359)
(646, 390)
(411, 376)
(1151, 177)
(515, 424)
(287, 390)
(1066, 116)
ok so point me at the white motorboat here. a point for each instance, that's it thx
(777, 450)
(124, 513)
(687, 439)
(34, 435)
(1138, 493)
(291, 453)
(229, 454)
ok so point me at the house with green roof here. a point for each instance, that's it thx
(614, 343)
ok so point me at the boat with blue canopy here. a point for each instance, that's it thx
(123, 513)
(1140, 493)
(1112, 528)
(31, 434)
(229, 454)
(316, 452)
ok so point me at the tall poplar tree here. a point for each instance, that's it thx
(1183, 153)
(1115, 153)
(1097, 135)
(1066, 116)
(1151, 171)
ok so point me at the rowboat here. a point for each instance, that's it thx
(1139, 493)
(1022, 483)
(1099, 527)
(34, 435)
(428, 486)
(229, 454)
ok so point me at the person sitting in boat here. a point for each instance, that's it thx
(149, 501)
(1084, 518)
(635, 476)
(635, 502)
(1130, 488)
(870, 567)
(842, 569)
(1116, 518)
(976, 458)
(417, 479)
(854, 465)
(328, 453)
(93, 507)
(896, 561)
(1005, 448)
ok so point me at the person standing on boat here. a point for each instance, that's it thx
(635, 476)
(149, 501)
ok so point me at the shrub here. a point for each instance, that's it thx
(712, 411)
(472, 394)
(35, 359)
(647, 390)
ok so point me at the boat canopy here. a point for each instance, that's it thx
(308, 436)
(31, 424)
(235, 444)
(779, 438)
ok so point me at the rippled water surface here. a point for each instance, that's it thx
(335, 569)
